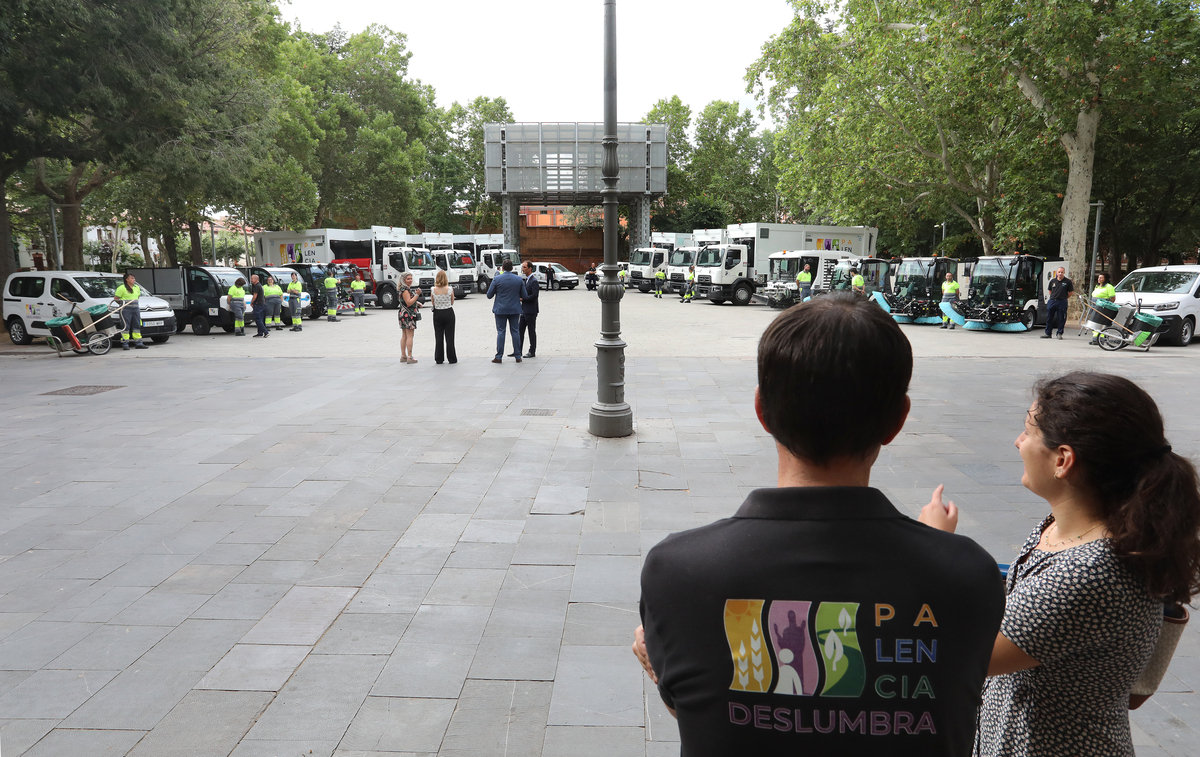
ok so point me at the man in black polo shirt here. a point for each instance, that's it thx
(819, 619)
(1059, 290)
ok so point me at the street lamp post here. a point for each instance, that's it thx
(611, 415)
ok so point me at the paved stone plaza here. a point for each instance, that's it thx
(249, 550)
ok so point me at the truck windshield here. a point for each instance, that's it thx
(841, 276)
(709, 256)
(912, 278)
(989, 279)
(99, 287)
(681, 257)
(640, 257)
(784, 269)
(1158, 282)
(419, 259)
(227, 277)
(512, 257)
(461, 260)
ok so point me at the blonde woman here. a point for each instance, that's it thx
(443, 320)
(410, 303)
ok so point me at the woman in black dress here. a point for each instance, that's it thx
(410, 302)
(1086, 594)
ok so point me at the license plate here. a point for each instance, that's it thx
(152, 323)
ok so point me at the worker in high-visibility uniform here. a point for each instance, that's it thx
(621, 277)
(858, 284)
(1103, 291)
(690, 289)
(127, 294)
(804, 281)
(660, 281)
(295, 291)
(274, 297)
(237, 306)
(358, 290)
(949, 294)
(330, 297)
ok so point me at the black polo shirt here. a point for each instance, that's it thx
(256, 296)
(821, 621)
(1060, 290)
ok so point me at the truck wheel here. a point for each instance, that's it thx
(484, 283)
(160, 339)
(459, 293)
(1187, 330)
(387, 298)
(643, 288)
(1028, 317)
(742, 294)
(17, 332)
(201, 326)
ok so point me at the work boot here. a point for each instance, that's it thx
(952, 327)
(943, 325)
(125, 346)
(239, 332)
(1045, 336)
(1094, 342)
(1060, 336)
(140, 346)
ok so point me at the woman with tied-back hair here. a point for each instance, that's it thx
(1086, 593)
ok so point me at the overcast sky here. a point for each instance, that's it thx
(546, 58)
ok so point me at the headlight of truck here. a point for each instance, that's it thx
(1167, 306)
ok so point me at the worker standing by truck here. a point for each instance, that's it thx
(690, 290)
(949, 294)
(804, 281)
(127, 294)
(858, 284)
(660, 280)
(237, 306)
(1103, 291)
(295, 291)
(358, 289)
(330, 296)
(274, 300)
(259, 305)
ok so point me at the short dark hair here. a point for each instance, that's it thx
(239, 282)
(839, 346)
(507, 265)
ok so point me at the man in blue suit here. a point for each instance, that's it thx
(529, 308)
(507, 289)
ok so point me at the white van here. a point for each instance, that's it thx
(1171, 292)
(33, 297)
(563, 277)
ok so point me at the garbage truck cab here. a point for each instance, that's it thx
(782, 289)
(1005, 293)
(399, 260)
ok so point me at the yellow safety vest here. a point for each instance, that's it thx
(295, 287)
(357, 285)
(1108, 291)
(128, 294)
(949, 287)
(858, 280)
(236, 291)
(804, 277)
(330, 282)
(272, 290)
(660, 275)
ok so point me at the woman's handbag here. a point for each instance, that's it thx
(1175, 617)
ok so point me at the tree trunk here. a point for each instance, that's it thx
(1081, 153)
(170, 245)
(8, 260)
(194, 235)
(72, 232)
(321, 210)
(144, 238)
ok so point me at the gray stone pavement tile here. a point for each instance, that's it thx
(600, 624)
(660, 723)
(522, 613)
(612, 516)
(351, 560)
(160, 608)
(148, 570)
(249, 747)
(481, 555)
(414, 561)
(254, 667)
(397, 724)
(367, 633)
(391, 593)
(498, 531)
(581, 741)
(662, 749)
(37, 643)
(42, 594)
(520, 659)
(606, 578)
(434, 530)
(447, 624)
(609, 543)
(261, 531)
(200, 579)
(53, 694)
(419, 670)
(18, 736)
(320, 700)
(204, 722)
(465, 586)
(546, 549)
(63, 741)
(195, 645)
(554, 524)
(96, 604)
(498, 718)
(560, 499)
(1164, 725)
(11, 622)
(110, 647)
(134, 700)
(274, 572)
(596, 686)
(10, 678)
(301, 616)
(540, 577)
(241, 602)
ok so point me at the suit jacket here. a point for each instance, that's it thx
(529, 300)
(506, 289)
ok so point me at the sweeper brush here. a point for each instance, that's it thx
(902, 318)
(1018, 326)
(927, 319)
(878, 297)
(975, 326)
(954, 315)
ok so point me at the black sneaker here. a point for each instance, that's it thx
(1045, 336)
(943, 326)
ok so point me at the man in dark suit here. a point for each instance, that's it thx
(507, 289)
(529, 308)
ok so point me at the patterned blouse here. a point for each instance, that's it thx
(443, 301)
(1091, 624)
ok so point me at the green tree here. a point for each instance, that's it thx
(667, 214)
(728, 152)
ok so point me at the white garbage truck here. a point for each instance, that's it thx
(682, 258)
(734, 269)
(490, 254)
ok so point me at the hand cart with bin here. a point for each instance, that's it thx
(1119, 326)
(88, 330)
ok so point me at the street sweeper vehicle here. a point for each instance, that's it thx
(1005, 293)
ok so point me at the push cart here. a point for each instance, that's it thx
(1120, 326)
(82, 331)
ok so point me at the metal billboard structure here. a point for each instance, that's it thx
(560, 164)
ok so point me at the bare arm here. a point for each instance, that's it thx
(639, 651)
